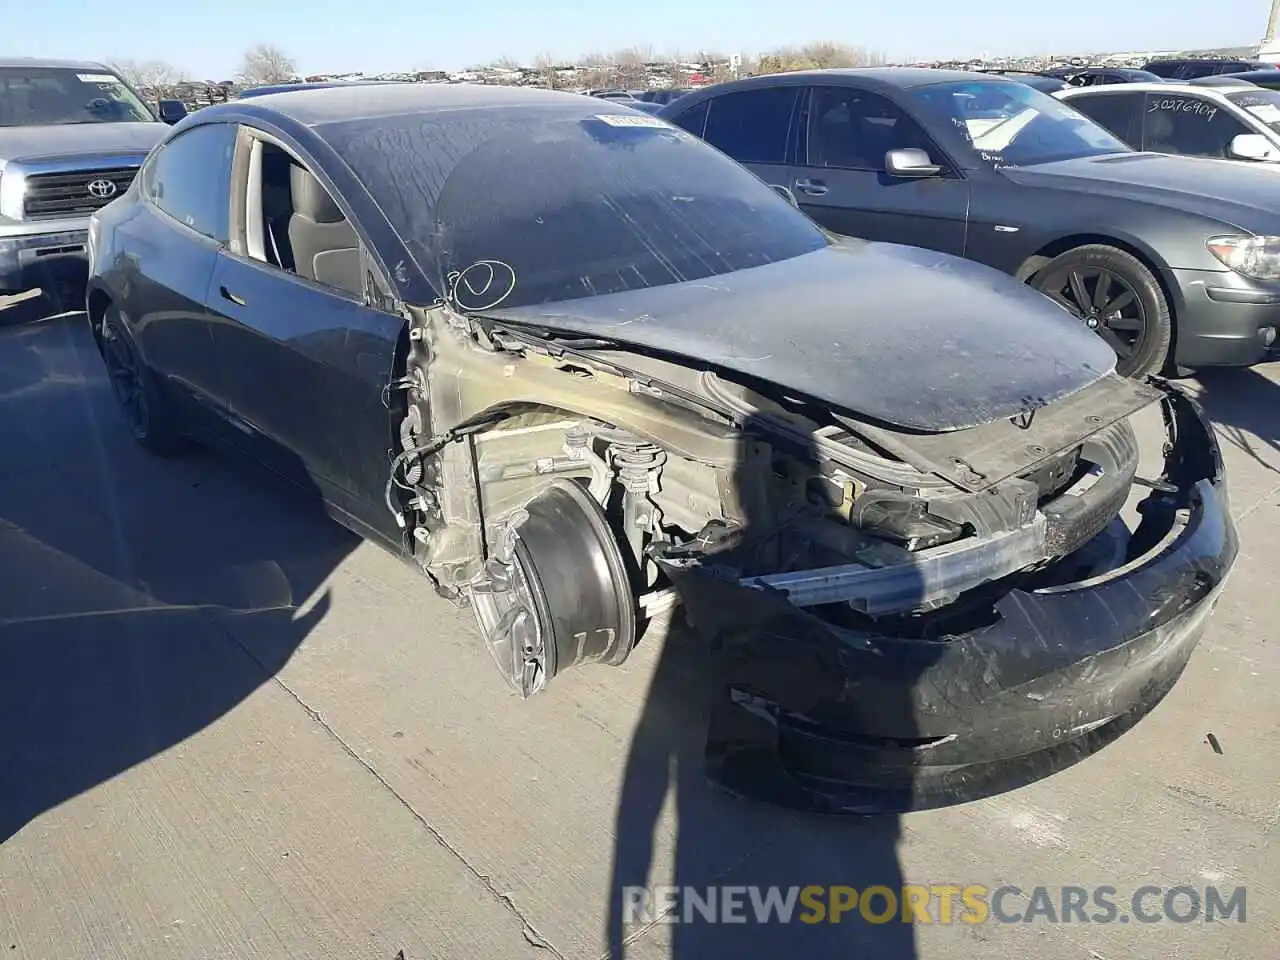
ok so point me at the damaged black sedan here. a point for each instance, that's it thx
(581, 368)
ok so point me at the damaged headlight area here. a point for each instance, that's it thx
(900, 618)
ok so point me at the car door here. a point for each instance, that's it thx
(753, 127)
(845, 133)
(308, 357)
(1189, 125)
(171, 246)
(1120, 112)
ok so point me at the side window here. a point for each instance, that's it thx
(695, 119)
(294, 224)
(752, 126)
(1190, 126)
(853, 130)
(189, 178)
(1121, 113)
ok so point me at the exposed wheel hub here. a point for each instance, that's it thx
(555, 593)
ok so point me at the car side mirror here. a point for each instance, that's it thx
(785, 193)
(1250, 146)
(171, 111)
(910, 162)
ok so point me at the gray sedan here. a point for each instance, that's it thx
(1174, 261)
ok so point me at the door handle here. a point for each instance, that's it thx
(228, 295)
(814, 188)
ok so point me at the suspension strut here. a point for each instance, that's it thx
(639, 466)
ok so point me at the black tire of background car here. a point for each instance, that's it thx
(1088, 264)
(146, 414)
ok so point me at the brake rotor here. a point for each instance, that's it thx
(557, 593)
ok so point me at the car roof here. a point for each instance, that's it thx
(52, 64)
(1202, 60)
(1265, 74)
(1172, 88)
(317, 107)
(871, 78)
(904, 78)
(270, 88)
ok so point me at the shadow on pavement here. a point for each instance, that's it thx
(140, 599)
(722, 842)
(1245, 405)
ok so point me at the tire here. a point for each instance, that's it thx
(1132, 315)
(142, 405)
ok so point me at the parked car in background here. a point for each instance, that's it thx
(1174, 261)
(72, 136)
(1039, 81)
(1096, 76)
(636, 364)
(1270, 79)
(611, 94)
(1189, 68)
(662, 96)
(1224, 121)
(269, 88)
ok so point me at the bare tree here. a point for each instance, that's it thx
(595, 70)
(545, 67)
(266, 63)
(822, 55)
(673, 70)
(153, 78)
(631, 67)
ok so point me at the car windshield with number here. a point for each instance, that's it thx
(606, 204)
(1013, 125)
(1264, 105)
(43, 96)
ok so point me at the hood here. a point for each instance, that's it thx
(896, 334)
(69, 139)
(1233, 192)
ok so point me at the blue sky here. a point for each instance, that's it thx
(206, 39)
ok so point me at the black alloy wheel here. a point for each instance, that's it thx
(1118, 298)
(140, 403)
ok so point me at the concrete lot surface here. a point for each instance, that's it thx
(230, 729)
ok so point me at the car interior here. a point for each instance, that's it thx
(295, 225)
(852, 130)
(1189, 134)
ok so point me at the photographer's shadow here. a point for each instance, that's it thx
(141, 598)
(722, 841)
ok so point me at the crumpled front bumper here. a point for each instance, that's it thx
(837, 720)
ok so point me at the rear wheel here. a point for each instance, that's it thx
(141, 404)
(1114, 294)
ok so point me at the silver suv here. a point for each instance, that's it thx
(72, 136)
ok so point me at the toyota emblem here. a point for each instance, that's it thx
(102, 188)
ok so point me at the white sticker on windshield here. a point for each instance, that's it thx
(1266, 112)
(629, 120)
(96, 78)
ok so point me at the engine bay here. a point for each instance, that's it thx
(687, 469)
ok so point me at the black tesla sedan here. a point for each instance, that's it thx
(581, 369)
(1174, 261)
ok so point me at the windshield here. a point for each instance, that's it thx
(530, 206)
(1013, 125)
(35, 96)
(1263, 104)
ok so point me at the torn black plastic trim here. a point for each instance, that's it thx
(832, 718)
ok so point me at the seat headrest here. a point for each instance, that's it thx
(1159, 125)
(311, 199)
